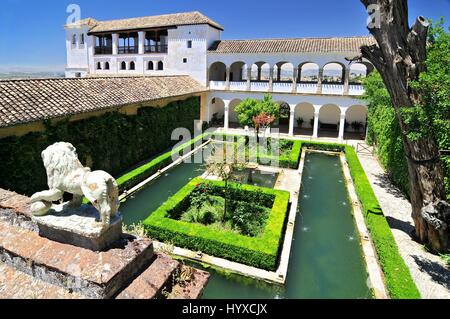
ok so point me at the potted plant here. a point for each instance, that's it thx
(356, 126)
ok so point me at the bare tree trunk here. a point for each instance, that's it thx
(400, 56)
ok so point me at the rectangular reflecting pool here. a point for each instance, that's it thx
(326, 258)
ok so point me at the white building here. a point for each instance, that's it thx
(316, 86)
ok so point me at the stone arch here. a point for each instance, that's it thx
(238, 71)
(306, 112)
(356, 119)
(283, 71)
(123, 65)
(132, 65)
(160, 66)
(333, 73)
(285, 112)
(358, 71)
(260, 71)
(308, 72)
(329, 120)
(150, 66)
(233, 117)
(216, 111)
(218, 71)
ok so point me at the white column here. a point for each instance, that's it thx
(115, 43)
(271, 79)
(342, 127)
(346, 81)
(208, 112)
(294, 80)
(292, 121)
(249, 78)
(141, 45)
(227, 79)
(316, 125)
(227, 115)
(319, 81)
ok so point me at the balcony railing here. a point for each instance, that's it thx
(103, 50)
(128, 50)
(305, 88)
(161, 48)
(336, 89)
(284, 87)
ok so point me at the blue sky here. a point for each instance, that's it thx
(32, 33)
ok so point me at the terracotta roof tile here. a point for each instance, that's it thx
(167, 20)
(26, 101)
(305, 45)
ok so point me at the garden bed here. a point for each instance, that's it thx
(256, 244)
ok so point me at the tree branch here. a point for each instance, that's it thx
(374, 55)
(417, 43)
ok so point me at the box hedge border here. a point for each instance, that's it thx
(146, 170)
(261, 252)
(397, 275)
(291, 160)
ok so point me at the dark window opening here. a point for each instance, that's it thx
(189, 44)
(103, 45)
(156, 41)
(160, 66)
(132, 66)
(150, 66)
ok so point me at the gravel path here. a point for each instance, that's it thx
(429, 272)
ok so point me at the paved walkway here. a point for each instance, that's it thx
(429, 272)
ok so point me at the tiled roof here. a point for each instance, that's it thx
(167, 20)
(305, 45)
(26, 101)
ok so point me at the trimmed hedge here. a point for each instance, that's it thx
(397, 275)
(261, 252)
(290, 160)
(146, 170)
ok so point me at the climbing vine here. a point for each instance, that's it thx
(113, 142)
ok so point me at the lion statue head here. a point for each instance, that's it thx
(60, 159)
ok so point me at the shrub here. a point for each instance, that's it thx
(261, 252)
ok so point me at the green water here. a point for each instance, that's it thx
(138, 207)
(326, 260)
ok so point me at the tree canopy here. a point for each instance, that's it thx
(251, 109)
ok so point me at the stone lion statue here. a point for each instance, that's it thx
(66, 174)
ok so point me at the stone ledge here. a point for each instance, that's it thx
(18, 203)
(193, 288)
(153, 281)
(79, 227)
(94, 274)
(18, 285)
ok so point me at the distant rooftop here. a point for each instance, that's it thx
(26, 101)
(299, 45)
(159, 21)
